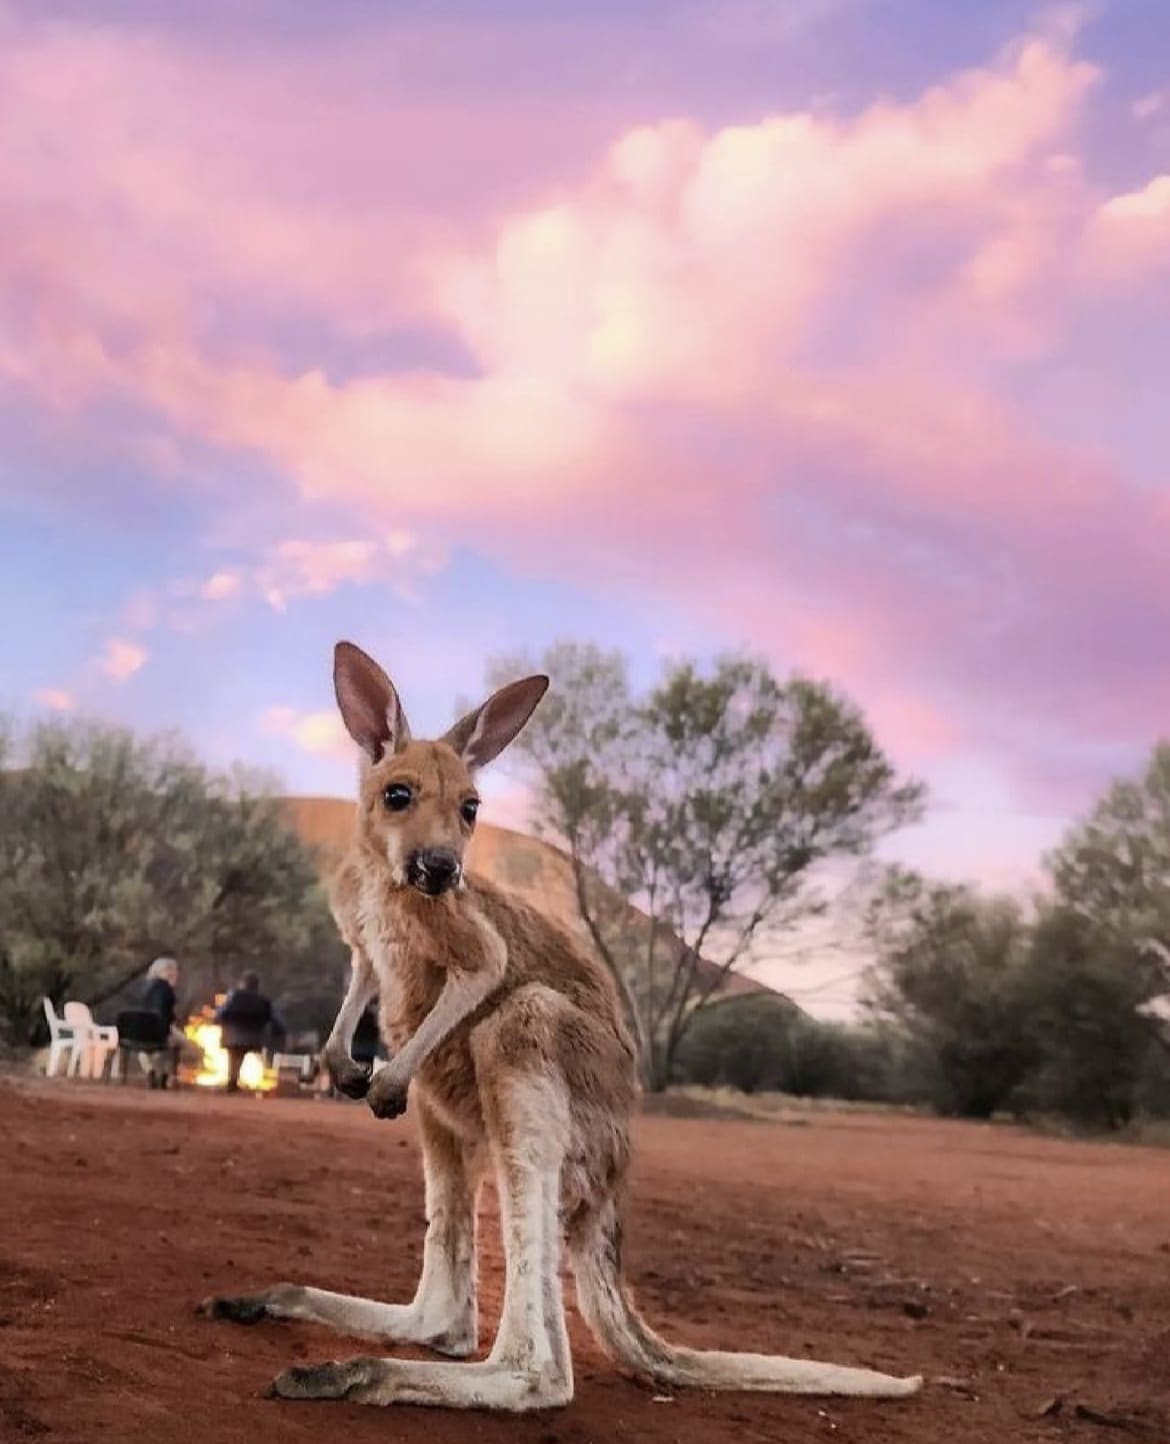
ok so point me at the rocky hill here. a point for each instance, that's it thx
(537, 871)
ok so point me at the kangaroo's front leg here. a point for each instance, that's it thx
(464, 989)
(442, 1316)
(352, 1078)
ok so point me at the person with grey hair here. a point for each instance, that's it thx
(161, 980)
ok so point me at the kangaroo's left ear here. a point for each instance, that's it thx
(482, 735)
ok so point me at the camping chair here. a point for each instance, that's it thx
(93, 1043)
(304, 1065)
(300, 1051)
(366, 1047)
(142, 1031)
(63, 1040)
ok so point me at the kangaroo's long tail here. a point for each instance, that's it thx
(596, 1252)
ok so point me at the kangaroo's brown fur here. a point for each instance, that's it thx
(510, 1036)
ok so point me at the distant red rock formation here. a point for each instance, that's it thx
(537, 871)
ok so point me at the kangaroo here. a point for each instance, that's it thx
(509, 1037)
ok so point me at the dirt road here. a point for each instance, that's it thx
(1029, 1273)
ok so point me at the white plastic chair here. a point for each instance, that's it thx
(62, 1041)
(93, 1043)
(302, 1062)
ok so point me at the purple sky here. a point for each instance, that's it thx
(832, 329)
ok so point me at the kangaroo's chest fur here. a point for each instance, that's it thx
(415, 943)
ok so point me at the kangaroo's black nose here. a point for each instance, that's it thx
(434, 869)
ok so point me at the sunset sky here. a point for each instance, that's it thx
(831, 329)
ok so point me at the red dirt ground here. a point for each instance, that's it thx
(1017, 1273)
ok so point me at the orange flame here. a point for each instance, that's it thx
(207, 1035)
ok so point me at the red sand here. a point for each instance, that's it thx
(1017, 1273)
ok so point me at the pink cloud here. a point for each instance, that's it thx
(302, 567)
(312, 568)
(691, 264)
(1153, 103)
(56, 699)
(221, 587)
(647, 287)
(141, 612)
(319, 733)
(120, 659)
(771, 369)
(204, 197)
(1130, 234)
(282, 572)
(916, 729)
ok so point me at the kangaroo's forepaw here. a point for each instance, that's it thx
(244, 1310)
(349, 1077)
(387, 1096)
(334, 1380)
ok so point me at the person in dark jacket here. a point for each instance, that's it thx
(248, 1019)
(161, 981)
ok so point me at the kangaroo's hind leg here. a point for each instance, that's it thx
(527, 1113)
(443, 1314)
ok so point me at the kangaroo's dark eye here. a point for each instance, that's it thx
(397, 797)
(469, 810)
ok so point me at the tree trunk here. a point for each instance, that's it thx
(657, 1068)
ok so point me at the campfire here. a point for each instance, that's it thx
(202, 1029)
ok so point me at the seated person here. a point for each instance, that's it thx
(161, 980)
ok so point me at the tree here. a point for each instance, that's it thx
(1114, 869)
(758, 1041)
(695, 816)
(742, 1042)
(951, 971)
(1083, 995)
(115, 849)
(1104, 950)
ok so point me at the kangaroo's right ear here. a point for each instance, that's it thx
(370, 708)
